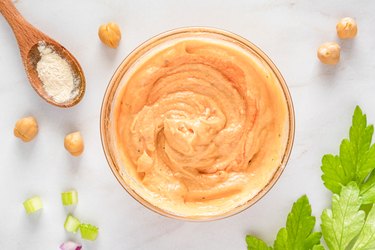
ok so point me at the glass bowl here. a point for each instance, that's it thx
(118, 81)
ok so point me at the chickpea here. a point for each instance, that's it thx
(329, 53)
(110, 34)
(73, 143)
(346, 28)
(26, 128)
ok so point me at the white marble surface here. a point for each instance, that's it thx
(289, 31)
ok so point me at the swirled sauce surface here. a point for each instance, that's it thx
(201, 127)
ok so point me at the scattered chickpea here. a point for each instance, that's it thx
(74, 143)
(26, 128)
(329, 53)
(110, 34)
(346, 28)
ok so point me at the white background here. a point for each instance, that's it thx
(289, 31)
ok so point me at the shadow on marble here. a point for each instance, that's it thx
(25, 150)
(348, 47)
(73, 163)
(328, 73)
(108, 55)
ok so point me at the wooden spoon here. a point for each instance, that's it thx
(28, 38)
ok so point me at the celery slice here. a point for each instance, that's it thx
(71, 224)
(33, 204)
(89, 232)
(69, 197)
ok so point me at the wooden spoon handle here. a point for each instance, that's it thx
(25, 33)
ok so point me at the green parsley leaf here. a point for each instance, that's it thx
(356, 159)
(366, 238)
(344, 222)
(367, 163)
(281, 242)
(254, 243)
(333, 173)
(297, 235)
(360, 135)
(318, 247)
(299, 226)
(368, 190)
(312, 240)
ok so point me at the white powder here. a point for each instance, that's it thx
(56, 75)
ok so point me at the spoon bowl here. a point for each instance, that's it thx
(29, 38)
(30, 64)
